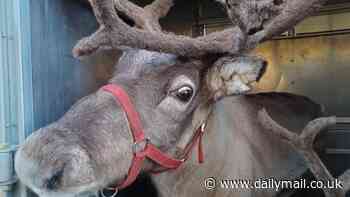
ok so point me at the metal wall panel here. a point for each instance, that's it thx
(3, 57)
(12, 55)
(58, 79)
(39, 78)
(9, 75)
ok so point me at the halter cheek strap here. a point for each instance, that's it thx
(142, 147)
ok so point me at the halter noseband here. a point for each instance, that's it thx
(142, 147)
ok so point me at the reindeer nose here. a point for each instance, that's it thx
(51, 161)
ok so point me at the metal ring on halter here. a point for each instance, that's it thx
(141, 145)
(203, 126)
(113, 195)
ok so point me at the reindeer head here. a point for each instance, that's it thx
(172, 88)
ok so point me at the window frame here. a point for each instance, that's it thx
(203, 25)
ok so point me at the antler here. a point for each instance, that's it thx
(255, 20)
(146, 18)
(260, 20)
(303, 144)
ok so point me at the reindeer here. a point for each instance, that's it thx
(169, 95)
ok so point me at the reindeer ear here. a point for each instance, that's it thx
(234, 75)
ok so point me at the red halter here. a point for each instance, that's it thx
(142, 147)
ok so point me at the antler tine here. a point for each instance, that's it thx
(146, 18)
(285, 14)
(105, 13)
(159, 8)
(107, 18)
(260, 20)
(303, 144)
(294, 12)
(345, 179)
(133, 11)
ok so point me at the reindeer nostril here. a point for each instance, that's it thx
(54, 181)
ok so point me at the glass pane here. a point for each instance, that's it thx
(324, 23)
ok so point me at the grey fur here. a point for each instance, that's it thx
(90, 146)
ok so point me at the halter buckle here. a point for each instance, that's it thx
(203, 126)
(140, 146)
(113, 195)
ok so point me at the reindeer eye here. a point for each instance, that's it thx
(184, 94)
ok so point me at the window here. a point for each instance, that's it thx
(333, 19)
